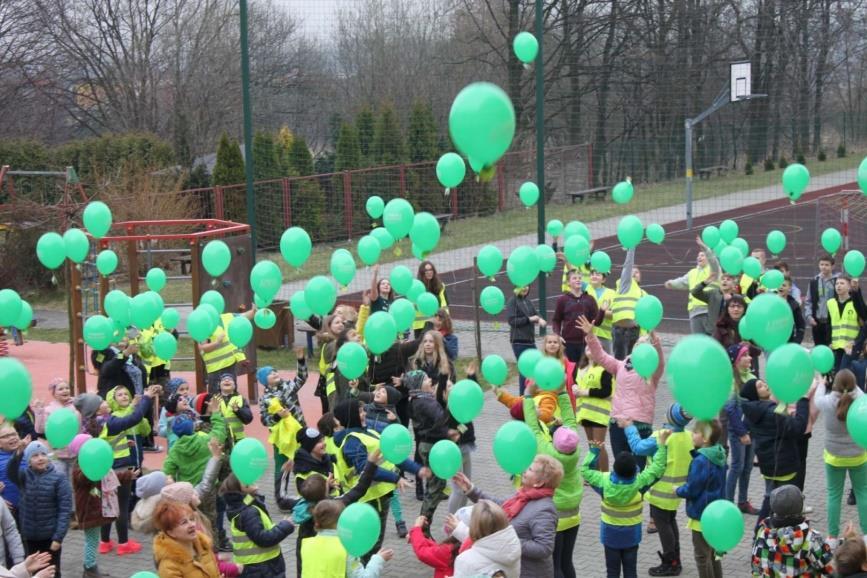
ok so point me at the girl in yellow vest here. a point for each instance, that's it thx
(255, 537)
(593, 389)
(545, 401)
(427, 274)
(332, 326)
(696, 309)
(234, 408)
(323, 556)
(219, 354)
(627, 293)
(846, 312)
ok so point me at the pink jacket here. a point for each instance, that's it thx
(634, 398)
(42, 414)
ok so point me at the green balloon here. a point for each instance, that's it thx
(732, 260)
(576, 228)
(527, 362)
(403, 312)
(645, 359)
(95, 458)
(216, 258)
(425, 232)
(741, 245)
(144, 574)
(266, 279)
(248, 460)
(165, 345)
(655, 233)
(622, 192)
(549, 373)
(200, 325)
(529, 194)
(98, 332)
(522, 266)
(375, 206)
(118, 306)
(710, 235)
(416, 290)
(213, 316)
(17, 388)
(495, 369)
(10, 307)
(170, 318)
(547, 258)
(648, 312)
(240, 331)
(295, 246)
(831, 240)
(358, 528)
(60, 427)
(155, 279)
(482, 122)
(776, 242)
(526, 47)
(451, 170)
(577, 250)
(752, 267)
(789, 372)
(395, 443)
(369, 250)
(382, 235)
(555, 227)
(144, 310)
(214, 299)
(428, 304)
(466, 399)
(720, 247)
(700, 356)
(50, 250)
(862, 176)
(264, 318)
(106, 262)
(492, 300)
(97, 219)
(398, 218)
(773, 279)
(796, 177)
(299, 307)
(823, 359)
(401, 279)
(601, 262)
(490, 260)
(380, 332)
(343, 267)
(744, 328)
(514, 447)
(629, 231)
(351, 360)
(853, 263)
(770, 321)
(25, 317)
(856, 421)
(722, 525)
(76, 245)
(445, 459)
(728, 230)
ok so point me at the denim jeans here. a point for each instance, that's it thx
(740, 470)
(518, 349)
(624, 340)
(627, 558)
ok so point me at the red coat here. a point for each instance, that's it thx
(440, 557)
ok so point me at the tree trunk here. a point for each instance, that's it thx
(603, 87)
(821, 64)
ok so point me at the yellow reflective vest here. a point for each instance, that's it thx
(244, 549)
(628, 514)
(844, 324)
(661, 494)
(233, 423)
(226, 354)
(605, 295)
(593, 409)
(323, 556)
(623, 307)
(370, 439)
(695, 277)
(146, 350)
(421, 319)
(119, 443)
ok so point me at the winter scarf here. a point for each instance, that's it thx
(516, 503)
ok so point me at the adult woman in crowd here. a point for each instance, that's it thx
(496, 547)
(181, 550)
(427, 274)
(523, 319)
(726, 331)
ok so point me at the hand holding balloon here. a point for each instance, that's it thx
(463, 482)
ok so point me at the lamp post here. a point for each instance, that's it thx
(248, 125)
(540, 150)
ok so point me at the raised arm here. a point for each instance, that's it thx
(626, 272)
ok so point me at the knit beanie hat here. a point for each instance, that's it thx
(737, 351)
(87, 404)
(173, 385)
(308, 438)
(677, 416)
(202, 401)
(75, 445)
(346, 412)
(52, 385)
(171, 403)
(565, 440)
(413, 380)
(150, 485)
(263, 373)
(625, 466)
(749, 390)
(392, 395)
(182, 492)
(226, 375)
(787, 501)
(33, 449)
(183, 426)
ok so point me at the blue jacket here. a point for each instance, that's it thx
(705, 481)
(735, 416)
(10, 492)
(450, 342)
(247, 519)
(46, 501)
(116, 425)
(356, 456)
(645, 446)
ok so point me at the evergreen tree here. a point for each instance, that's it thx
(269, 194)
(282, 145)
(387, 147)
(348, 149)
(365, 122)
(265, 163)
(308, 201)
(300, 159)
(422, 134)
(229, 170)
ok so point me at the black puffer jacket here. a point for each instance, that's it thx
(246, 518)
(305, 463)
(774, 435)
(112, 373)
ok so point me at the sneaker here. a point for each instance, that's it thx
(224, 545)
(94, 573)
(670, 566)
(106, 547)
(747, 508)
(128, 547)
(651, 527)
(808, 509)
(851, 499)
(401, 529)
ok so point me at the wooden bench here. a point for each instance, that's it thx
(443, 219)
(707, 172)
(596, 192)
(185, 261)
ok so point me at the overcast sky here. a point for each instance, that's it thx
(317, 17)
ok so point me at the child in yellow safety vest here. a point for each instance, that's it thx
(323, 555)
(663, 501)
(622, 492)
(234, 408)
(846, 312)
(593, 390)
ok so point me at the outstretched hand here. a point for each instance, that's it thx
(584, 325)
(463, 482)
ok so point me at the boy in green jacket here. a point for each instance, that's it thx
(189, 456)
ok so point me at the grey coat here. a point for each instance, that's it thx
(536, 526)
(11, 541)
(521, 329)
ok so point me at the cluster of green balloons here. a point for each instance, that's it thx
(482, 123)
(14, 311)
(796, 177)
(701, 355)
(451, 170)
(526, 47)
(52, 249)
(515, 447)
(248, 460)
(358, 528)
(17, 387)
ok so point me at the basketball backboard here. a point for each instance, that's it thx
(741, 81)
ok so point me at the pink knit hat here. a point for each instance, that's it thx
(75, 445)
(52, 385)
(565, 440)
(182, 492)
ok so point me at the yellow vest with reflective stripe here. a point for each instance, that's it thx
(332, 450)
(695, 277)
(844, 325)
(625, 515)
(330, 382)
(119, 443)
(323, 556)
(335, 490)
(661, 494)
(421, 319)
(145, 341)
(233, 424)
(244, 549)
(370, 440)
(623, 307)
(593, 409)
(603, 331)
(223, 356)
